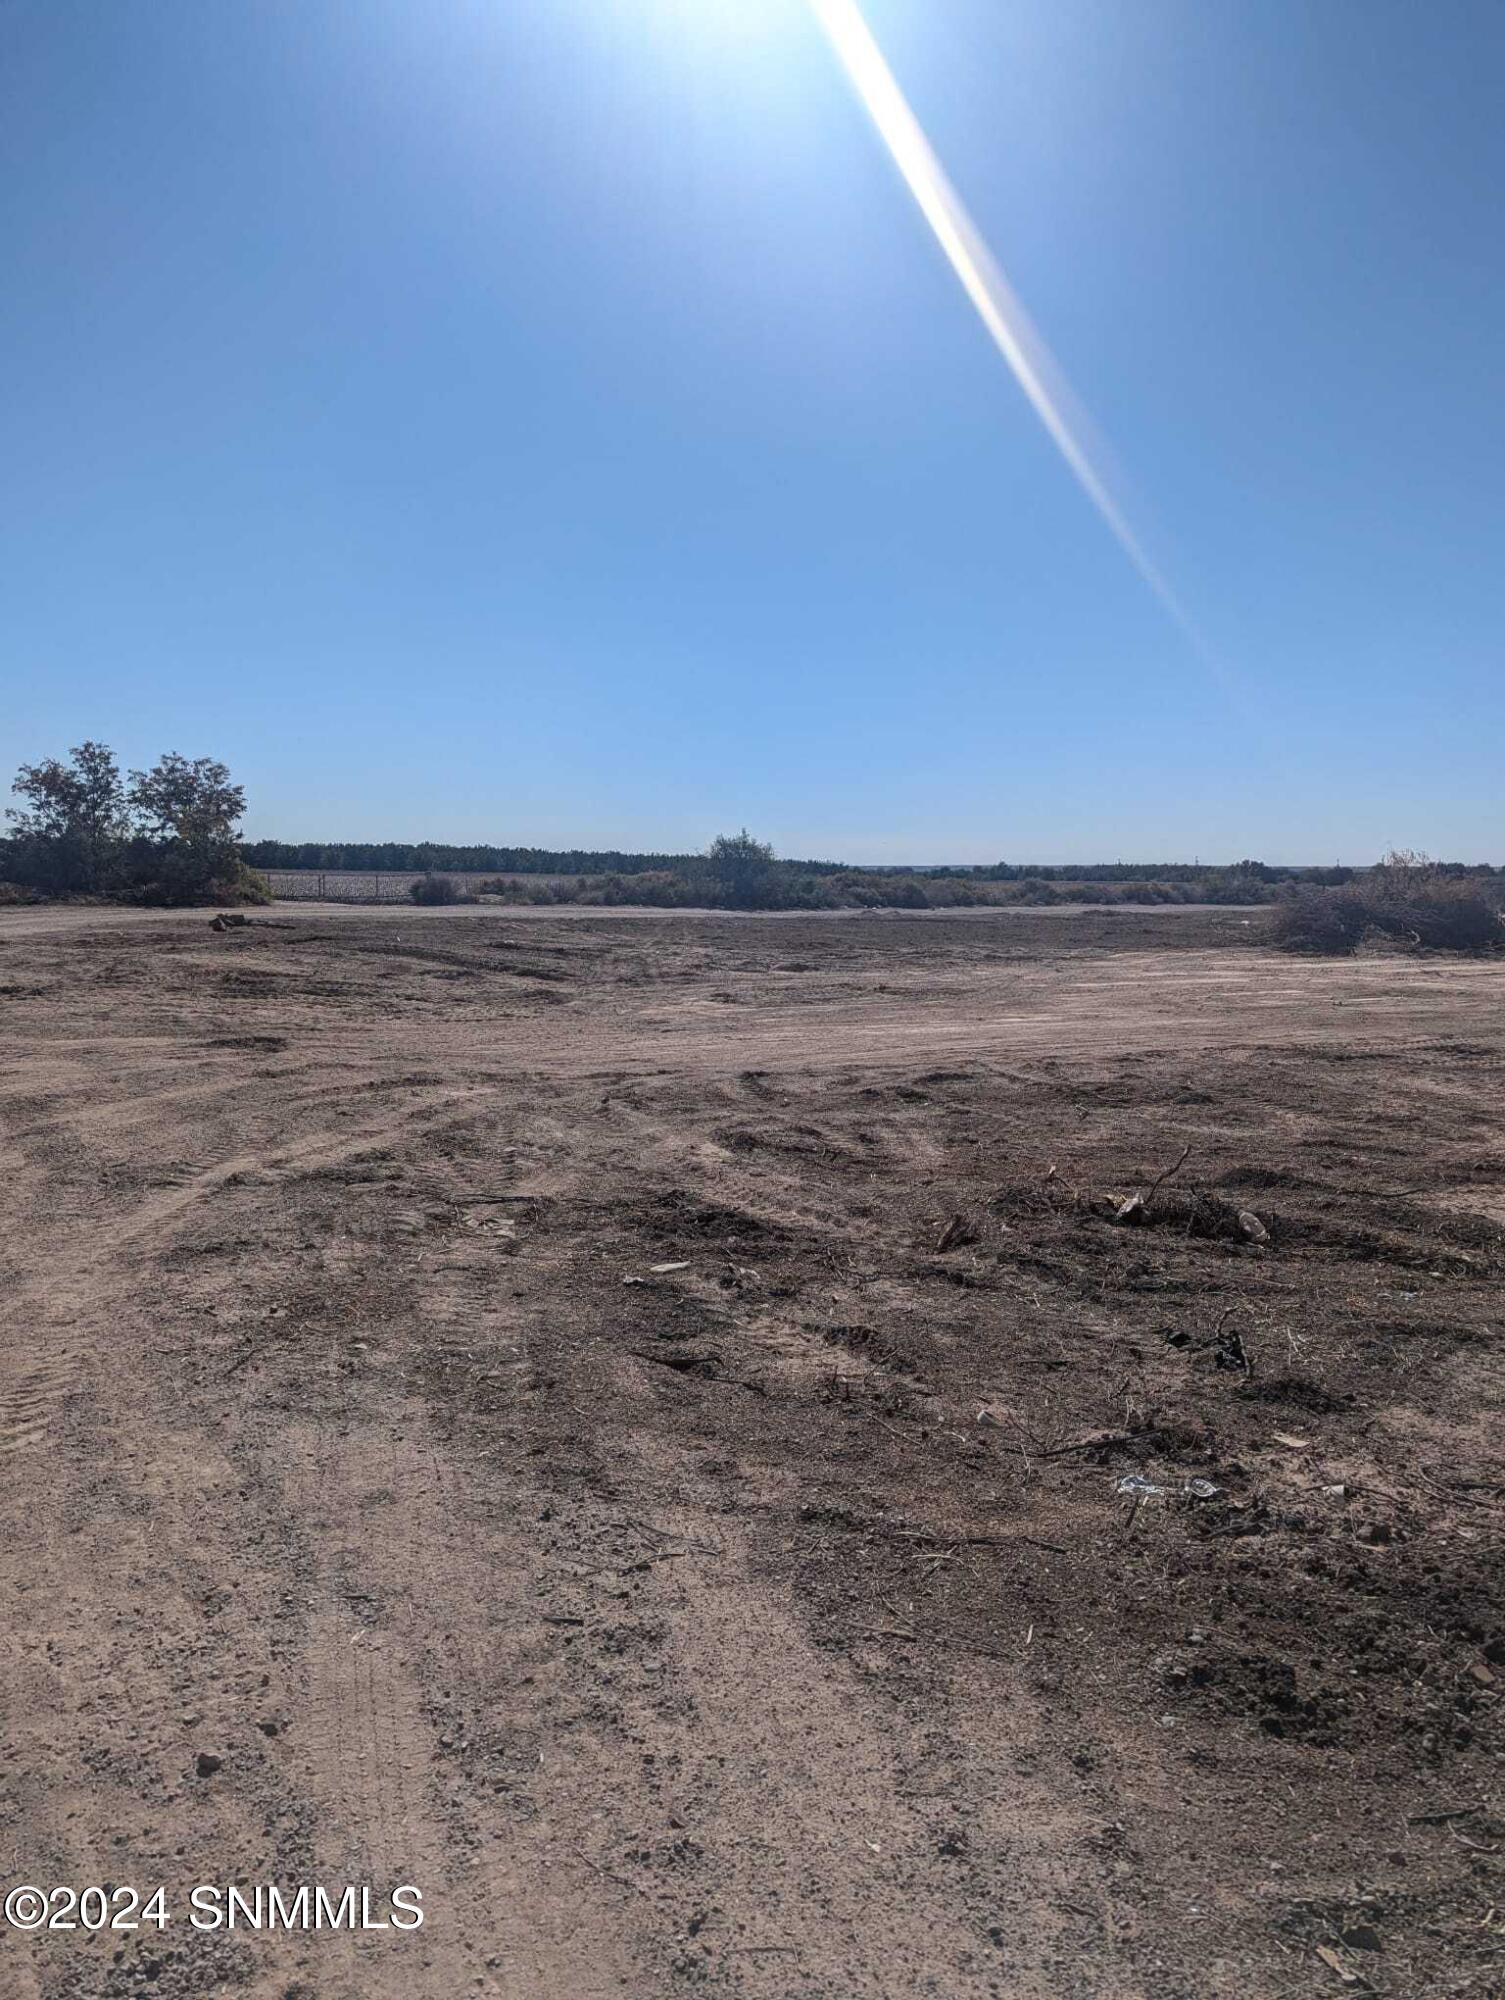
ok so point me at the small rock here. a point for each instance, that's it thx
(207, 1763)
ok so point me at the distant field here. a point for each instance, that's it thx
(359, 885)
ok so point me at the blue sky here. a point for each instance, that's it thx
(552, 421)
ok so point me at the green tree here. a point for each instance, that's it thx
(192, 802)
(71, 831)
(186, 813)
(742, 867)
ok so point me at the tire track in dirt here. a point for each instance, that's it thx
(1142, 1002)
(785, 1739)
(401, 1646)
(26, 1402)
(1190, 1002)
(55, 1335)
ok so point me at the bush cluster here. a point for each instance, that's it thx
(438, 889)
(782, 885)
(1407, 900)
(167, 836)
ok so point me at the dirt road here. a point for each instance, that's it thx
(771, 1622)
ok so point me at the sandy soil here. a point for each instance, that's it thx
(772, 1623)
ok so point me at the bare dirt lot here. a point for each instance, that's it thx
(642, 1429)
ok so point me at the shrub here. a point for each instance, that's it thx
(438, 889)
(1441, 917)
(1308, 919)
(160, 875)
(812, 892)
(249, 885)
(1242, 884)
(1406, 898)
(1431, 903)
(904, 892)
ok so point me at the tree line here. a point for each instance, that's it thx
(399, 857)
(405, 857)
(166, 835)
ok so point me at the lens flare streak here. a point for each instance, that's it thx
(978, 271)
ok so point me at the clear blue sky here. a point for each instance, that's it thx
(551, 420)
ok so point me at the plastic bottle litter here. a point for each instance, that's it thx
(1137, 1487)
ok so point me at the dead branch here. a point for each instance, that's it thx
(1169, 1174)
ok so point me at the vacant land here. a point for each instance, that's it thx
(649, 1431)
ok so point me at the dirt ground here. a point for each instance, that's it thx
(632, 1427)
